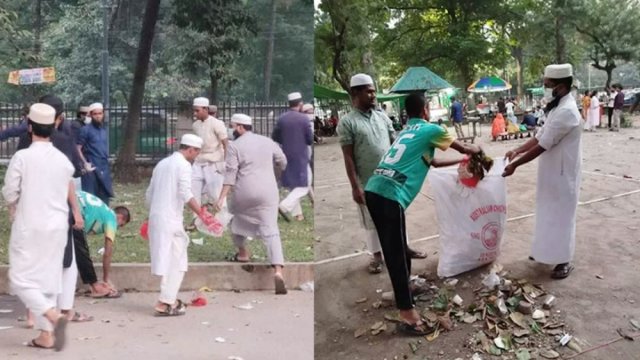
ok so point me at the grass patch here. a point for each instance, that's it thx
(297, 237)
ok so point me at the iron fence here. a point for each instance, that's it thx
(158, 124)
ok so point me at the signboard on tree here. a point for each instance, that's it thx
(32, 76)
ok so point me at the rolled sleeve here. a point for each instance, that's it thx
(231, 165)
(345, 132)
(553, 132)
(13, 179)
(184, 182)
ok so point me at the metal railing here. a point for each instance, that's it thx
(158, 124)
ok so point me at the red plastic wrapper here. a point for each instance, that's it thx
(144, 230)
(198, 299)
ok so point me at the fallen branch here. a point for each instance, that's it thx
(600, 346)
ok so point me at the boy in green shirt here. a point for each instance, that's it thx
(395, 183)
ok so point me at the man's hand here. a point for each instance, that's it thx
(12, 212)
(206, 217)
(88, 167)
(509, 170)
(358, 195)
(219, 205)
(510, 155)
(473, 149)
(78, 221)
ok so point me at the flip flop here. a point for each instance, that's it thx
(418, 329)
(180, 309)
(34, 344)
(236, 258)
(417, 254)
(59, 334)
(284, 215)
(561, 271)
(375, 266)
(280, 287)
(113, 294)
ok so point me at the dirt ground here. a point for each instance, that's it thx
(125, 328)
(608, 245)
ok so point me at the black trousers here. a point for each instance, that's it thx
(83, 258)
(609, 114)
(388, 217)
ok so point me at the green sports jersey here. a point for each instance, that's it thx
(402, 170)
(98, 217)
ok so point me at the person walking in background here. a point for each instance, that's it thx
(593, 116)
(293, 133)
(94, 152)
(611, 95)
(456, 116)
(586, 104)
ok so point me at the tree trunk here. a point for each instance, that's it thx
(518, 55)
(609, 71)
(126, 170)
(268, 64)
(213, 91)
(560, 42)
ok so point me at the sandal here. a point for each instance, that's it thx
(375, 266)
(59, 333)
(561, 271)
(417, 254)
(284, 215)
(113, 294)
(418, 329)
(34, 344)
(281, 289)
(236, 258)
(179, 309)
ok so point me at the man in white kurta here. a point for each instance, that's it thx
(558, 144)
(250, 172)
(38, 185)
(168, 192)
(208, 167)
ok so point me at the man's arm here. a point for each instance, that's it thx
(350, 166)
(14, 131)
(106, 259)
(464, 148)
(75, 209)
(276, 135)
(529, 155)
(443, 163)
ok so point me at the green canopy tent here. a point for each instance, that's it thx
(420, 79)
(339, 97)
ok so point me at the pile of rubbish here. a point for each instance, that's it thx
(513, 316)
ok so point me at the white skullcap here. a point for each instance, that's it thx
(294, 96)
(558, 71)
(84, 109)
(201, 101)
(191, 140)
(96, 106)
(241, 119)
(42, 114)
(361, 79)
(307, 107)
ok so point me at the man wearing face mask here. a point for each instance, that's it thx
(94, 151)
(558, 144)
(293, 133)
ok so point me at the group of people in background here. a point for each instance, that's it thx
(56, 158)
(592, 104)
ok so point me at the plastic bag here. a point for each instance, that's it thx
(219, 225)
(471, 220)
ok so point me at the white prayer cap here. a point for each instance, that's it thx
(201, 101)
(84, 109)
(361, 79)
(241, 119)
(294, 96)
(558, 71)
(95, 106)
(191, 140)
(42, 114)
(307, 107)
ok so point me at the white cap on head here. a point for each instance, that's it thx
(42, 114)
(307, 107)
(191, 140)
(201, 101)
(360, 79)
(241, 119)
(96, 106)
(294, 96)
(558, 71)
